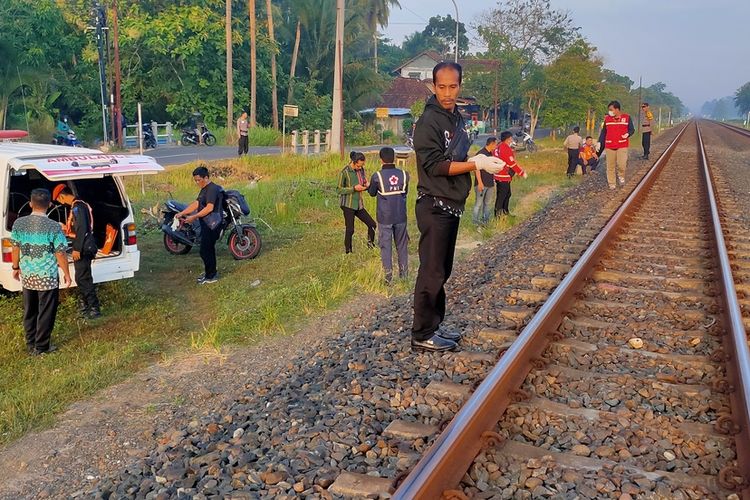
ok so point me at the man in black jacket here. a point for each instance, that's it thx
(444, 173)
(80, 227)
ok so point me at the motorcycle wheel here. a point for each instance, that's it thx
(175, 247)
(210, 140)
(246, 246)
(531, 147)
(185, 141)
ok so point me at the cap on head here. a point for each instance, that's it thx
(57, 191)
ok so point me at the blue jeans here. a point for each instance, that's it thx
(484, 205)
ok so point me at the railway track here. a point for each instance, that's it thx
(634, 375)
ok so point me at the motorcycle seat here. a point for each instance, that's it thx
(176, 205)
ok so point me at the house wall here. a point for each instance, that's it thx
(422, 66)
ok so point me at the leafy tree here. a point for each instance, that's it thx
(530, 29)
(742, 98)
(573, 82)
(443, 29)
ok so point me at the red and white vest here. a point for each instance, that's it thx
(616, 128)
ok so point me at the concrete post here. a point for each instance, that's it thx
(293, 142)
(316, 141)
(305, 142)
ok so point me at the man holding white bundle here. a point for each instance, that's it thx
(442, 146)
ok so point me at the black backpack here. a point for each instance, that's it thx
(238, 198)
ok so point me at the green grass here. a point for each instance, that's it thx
(162, 312)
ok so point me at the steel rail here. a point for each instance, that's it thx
(450, 456)
(735, 340)
(742, 131)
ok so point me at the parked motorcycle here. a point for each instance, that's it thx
(149, 140)
(523, 141)
(189, 136)
(243, 240)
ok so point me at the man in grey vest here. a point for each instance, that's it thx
(390, 185)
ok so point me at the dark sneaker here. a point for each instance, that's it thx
(206, 281)
(435, 343)
(52, 348)
(94, 313)
(448, 334)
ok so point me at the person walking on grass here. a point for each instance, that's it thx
(79, 227)
(38, 255)
(242, 131)
(352, 181)
(573, 144)
(391, 186)
(505, 176)
(647, 119)
(484, 188)
(614, 137)
(207, 210)
(444, 181)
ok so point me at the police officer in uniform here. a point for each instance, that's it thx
(444, 181)
(647, 118)
(391, 185)
(80, 227)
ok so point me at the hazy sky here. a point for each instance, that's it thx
(700, 49)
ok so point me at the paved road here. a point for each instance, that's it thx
(179, 155)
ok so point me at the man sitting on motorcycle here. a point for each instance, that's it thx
(209, 213)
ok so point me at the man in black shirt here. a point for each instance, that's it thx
(484, 188)
(208, 206)
(442, 146)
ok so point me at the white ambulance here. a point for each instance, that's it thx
(94, 177)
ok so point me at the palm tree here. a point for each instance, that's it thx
(376, 13)
(274, 97)
(230, 76)
(253, 64)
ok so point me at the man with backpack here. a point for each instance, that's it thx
(80, 228)
(391, 185)
(208, 210)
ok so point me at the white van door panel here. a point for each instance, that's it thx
(88, 166)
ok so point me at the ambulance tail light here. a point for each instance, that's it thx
(130, 235)
(7, 250)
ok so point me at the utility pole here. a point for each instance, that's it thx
(457, 25)
(337, 114)
(100, 27)
(497, 67)
(118, 76)
(640, 101)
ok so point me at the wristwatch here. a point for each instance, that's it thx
(16, 268)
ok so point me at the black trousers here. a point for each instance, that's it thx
(85, 282)
(572, 160)
(646, 142)
(39, 312)
(437, 245)
(361, 214)
(502, 201)
(209, 237)
(243, 145)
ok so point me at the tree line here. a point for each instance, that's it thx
(220, 56)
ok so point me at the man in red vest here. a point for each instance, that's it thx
(614, 138)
